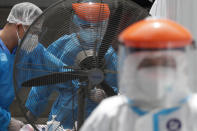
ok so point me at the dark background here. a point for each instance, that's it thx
(6, 5)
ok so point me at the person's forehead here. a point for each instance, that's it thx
(137, 57)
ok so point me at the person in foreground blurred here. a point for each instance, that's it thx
(155, 82)
(181, 11)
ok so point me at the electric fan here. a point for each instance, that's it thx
(66, 63)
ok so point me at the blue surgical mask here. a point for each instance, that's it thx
(19, 39)
(89, 36)
(30, 42)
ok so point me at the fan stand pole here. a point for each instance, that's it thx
(81, 106)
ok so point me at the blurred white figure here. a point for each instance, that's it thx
(182, 11)
(154, 69)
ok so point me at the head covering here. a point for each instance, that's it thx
(158, 33)
(154, 63)
(24, 13)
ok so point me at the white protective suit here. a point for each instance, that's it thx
(182, 11)
(164, 109)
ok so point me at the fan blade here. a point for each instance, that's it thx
(55, 78)
(108, 90)
(71, 67)
(113, 24)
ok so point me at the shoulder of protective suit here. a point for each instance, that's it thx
(67, 37)
(192, 103)
(112, 105)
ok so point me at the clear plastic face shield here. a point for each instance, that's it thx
(24, 13)
(91, 21)
(156, 77)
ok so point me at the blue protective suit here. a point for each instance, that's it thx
(6, 85)
(66, 49)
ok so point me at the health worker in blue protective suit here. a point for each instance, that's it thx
(155, 79)
(66, 48)
(19, 19)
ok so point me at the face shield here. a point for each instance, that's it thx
(91, 21)
(24, 13)
(150, 76)
(156, 74)
(90, 32)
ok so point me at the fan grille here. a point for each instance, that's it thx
(54, 57)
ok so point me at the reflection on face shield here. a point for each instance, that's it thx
(161, 61)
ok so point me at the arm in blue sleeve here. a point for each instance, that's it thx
(38, 96)
(38, 99)
(5, 118)
(5, 93)
(51, 62)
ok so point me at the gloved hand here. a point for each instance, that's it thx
(15, 125)
(97, 95)
(54, 125)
